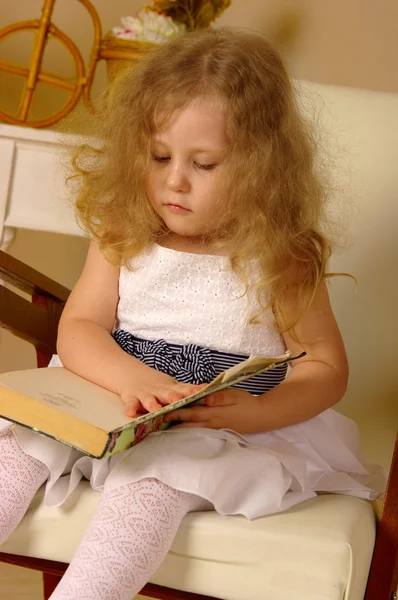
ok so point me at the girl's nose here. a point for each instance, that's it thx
(177, 178)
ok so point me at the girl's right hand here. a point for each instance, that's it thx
(147, 390)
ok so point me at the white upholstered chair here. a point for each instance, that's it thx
(322, 549)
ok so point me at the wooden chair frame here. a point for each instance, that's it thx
(37, 321)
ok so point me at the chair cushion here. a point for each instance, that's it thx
(319, 550)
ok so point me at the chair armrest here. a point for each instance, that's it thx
(35, 322)
(29, 280)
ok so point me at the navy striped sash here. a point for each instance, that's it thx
(194, 364)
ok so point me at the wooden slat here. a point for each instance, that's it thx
(51, 567)
(30, 322)
(162, 593)
(57, 569)
(29, 280)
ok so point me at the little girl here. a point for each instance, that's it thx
(206, 217)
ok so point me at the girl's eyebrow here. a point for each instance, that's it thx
(208, 149)
(195, 149)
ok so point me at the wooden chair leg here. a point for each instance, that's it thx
(50, 582)
(383, 576)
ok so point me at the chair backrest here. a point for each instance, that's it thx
(360, 127)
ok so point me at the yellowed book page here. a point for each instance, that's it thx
(70, 394)
(250, 365)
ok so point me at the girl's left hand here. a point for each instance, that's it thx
(230, 409)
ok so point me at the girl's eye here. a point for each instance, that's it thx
(205, 167)
(165, 159)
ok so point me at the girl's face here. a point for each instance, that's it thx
(187, 167)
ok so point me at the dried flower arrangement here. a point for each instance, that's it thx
(166, 19)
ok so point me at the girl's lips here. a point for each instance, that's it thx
(176, 208)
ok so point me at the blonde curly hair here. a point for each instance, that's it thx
(274, 194)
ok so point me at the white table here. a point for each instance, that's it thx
(33, 193)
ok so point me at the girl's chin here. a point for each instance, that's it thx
(185, 225)
(185, 230)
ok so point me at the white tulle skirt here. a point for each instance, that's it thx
(251, 475)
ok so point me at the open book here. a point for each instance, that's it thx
(64, 406)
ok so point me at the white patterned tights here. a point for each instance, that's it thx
(20, 478)
(126, 541)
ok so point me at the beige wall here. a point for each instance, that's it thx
(351, 43)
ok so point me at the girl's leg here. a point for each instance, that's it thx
(126, 541)
(20, 478)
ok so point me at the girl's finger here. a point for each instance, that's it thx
(194, 415)
(188, 389)
(185, 425)
(170, 396)
(132, 407)
(150, 403)
(219, 399)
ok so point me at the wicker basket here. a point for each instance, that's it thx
(120, 54)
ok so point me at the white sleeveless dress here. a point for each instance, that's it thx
(194, 299)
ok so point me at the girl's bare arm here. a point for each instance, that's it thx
(315, 383)
(86, 346)
(318, 380)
